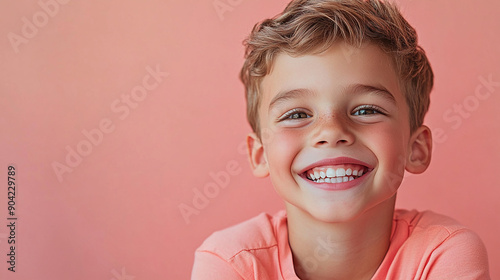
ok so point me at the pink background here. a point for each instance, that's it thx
(116, 214)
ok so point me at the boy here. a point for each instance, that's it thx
(336, 96)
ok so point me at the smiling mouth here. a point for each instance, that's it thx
(336, 174)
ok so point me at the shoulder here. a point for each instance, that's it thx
(257, 233)
(434, 229)
(248, 250)
(442, 243)
(419, 222)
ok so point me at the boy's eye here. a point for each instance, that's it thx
(294, 114)
(367, 110)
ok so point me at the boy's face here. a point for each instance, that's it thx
(338, 113)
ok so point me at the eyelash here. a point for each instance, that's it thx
(292, 112)
(374, 108)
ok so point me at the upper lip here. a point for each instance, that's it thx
(336, 161)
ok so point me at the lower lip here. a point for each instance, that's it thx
(338, 186)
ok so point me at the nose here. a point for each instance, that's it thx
(332, 131)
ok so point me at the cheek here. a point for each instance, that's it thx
(282, 147)
(390, 149)
(390, 142)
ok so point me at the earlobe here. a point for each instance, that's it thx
(256, 156)
(420, 150)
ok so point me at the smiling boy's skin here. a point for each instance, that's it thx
(347, 109)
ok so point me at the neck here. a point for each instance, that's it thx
(346, 250)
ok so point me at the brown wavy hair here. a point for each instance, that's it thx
(312, 26)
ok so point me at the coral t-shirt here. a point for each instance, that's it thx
(424, 245)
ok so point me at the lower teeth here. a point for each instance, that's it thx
(334, 180)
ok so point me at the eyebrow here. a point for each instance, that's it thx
(289, 94)
(351, 89)
(377, 90)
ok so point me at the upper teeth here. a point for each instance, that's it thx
(341, 174)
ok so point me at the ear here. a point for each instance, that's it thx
(256, 155)
(420, 150)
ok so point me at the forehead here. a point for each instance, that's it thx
(339, 67)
